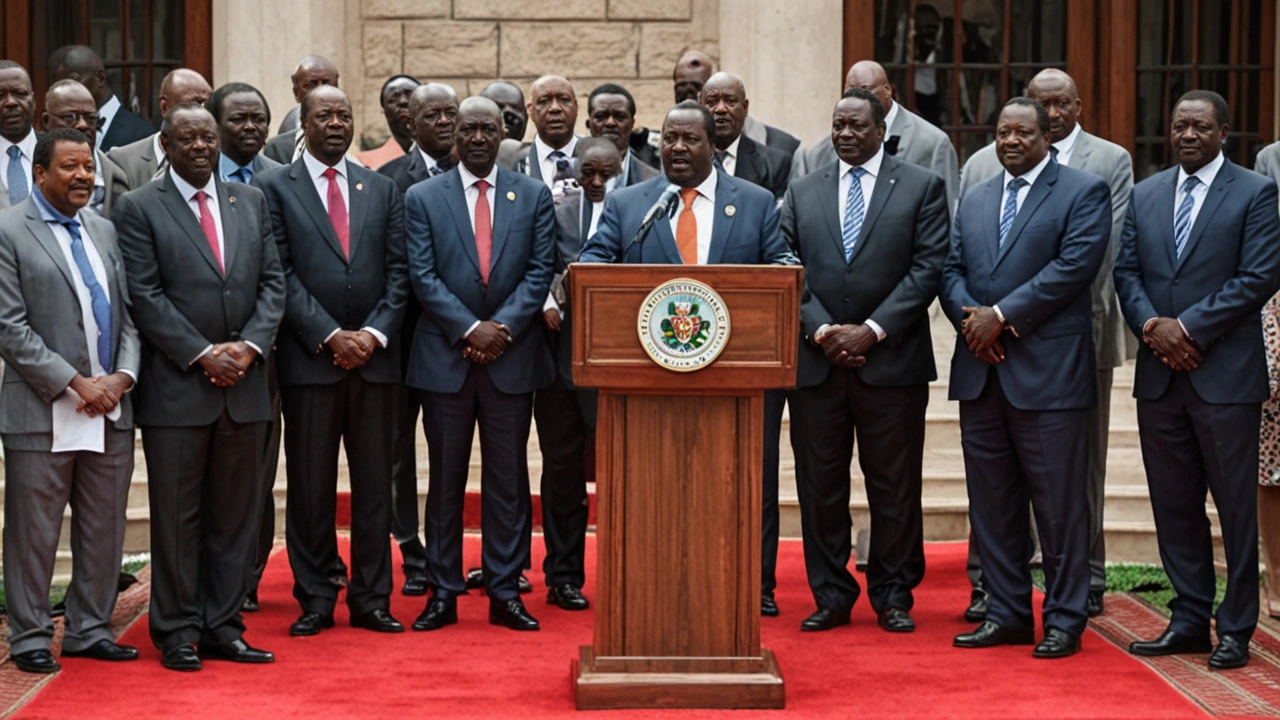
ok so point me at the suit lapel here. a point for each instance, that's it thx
(722, 221)
(304, 188)
(532, 167)
(1212, 200)
(1039, 191)
(829, 200)
(879, 196)
(455, 197)
(359, 199)
(901, 128)
(181, 213)
(1080, 155)
(1164, 202)
(503, 208)
(43, 235)
(746, 167)
(991, 216)
(230, 226)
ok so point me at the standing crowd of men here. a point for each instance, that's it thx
(228, 294)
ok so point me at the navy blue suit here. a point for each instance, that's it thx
(1199, 429)
(1024, 421)
(444, 272)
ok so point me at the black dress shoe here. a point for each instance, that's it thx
(438, 613)
(236, 651)
(414, 584)
(377, 621)
(36, 661)
(1171, 643)
(979, 601)
(250, 603)
(1093, 605)
(511, 614)
(523, 585)
(104, 650)
(768, 608)
(310, 623)
(475, 578)
(182, 658)
(567, 597)
(1232, 652)
(897, 620)
(989, 634)
(825, 619)
(1057, 644)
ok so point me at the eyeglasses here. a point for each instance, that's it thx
(93, 119)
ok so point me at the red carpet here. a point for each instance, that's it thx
(474, 670)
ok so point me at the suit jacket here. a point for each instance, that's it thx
(182, 302)
(138, 160)
(569, 241)
(769, 135)
(281, 147)
(381, 155)
(891, 278)
(408, 169)
(919, 142)
(1228, 270)
(763, 166)
(326, 290)
(1268, 162)
(115, 181)
(444, 272)
(126, 127)
(42, 338)
(1113, 164)
(749, 234)
(1040, 279)
(638, 171)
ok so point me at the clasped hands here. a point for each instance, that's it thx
(846, 345)
(352, 348)
(487, 342)
(226, 363)
(100, 395)
(981, 329)
(1167, 340)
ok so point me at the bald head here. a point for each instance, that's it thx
(553, 105)
(82, 64)
(693, 69)
(725, 96)
(311, 72)
(870, 75)
(434, 111)
(183, 85)
(510, 99)
(68, 104)
(1056, 91)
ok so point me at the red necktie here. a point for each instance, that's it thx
(484, 231)
(209, 227)
(338, 213)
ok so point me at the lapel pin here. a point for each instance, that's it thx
(893, 180)
(359, 186)
(511, 196)
(730, 210)
(231, 199)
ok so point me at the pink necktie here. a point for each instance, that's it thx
(338, 212)
(209, 227)
(484, 231)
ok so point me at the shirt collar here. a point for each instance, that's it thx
(27, 145)
(468, 179)
(317, 168)
(430, 161)
(872, 166)
(227, 167)
(1068, 144)
(732, 150)
(109, 109)
(157, 147)
(889, 117)
(188, 191)
(708, 187)
(47, 212)
(1206, 173)
(545, 150)
(1030, 175)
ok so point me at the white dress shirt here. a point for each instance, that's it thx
(430, 161)
(868, 184)
(546, 164)
(704, 211)
(1030, 176)
(1067, 145)
(108, 113)
(730, 160)
(28, 147)
(1201, 191)
(617, 181)
(891, 115)
(472, 194)
(99, 181)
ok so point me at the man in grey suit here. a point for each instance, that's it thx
(1073, 147)
(17, 136)
(1268, 161)
(68, 104)
(611, 114)
(70, 356)
(208, 294)
(907, 135)
(141, 159)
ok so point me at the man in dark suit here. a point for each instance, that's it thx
(481, 253)
(120, 125)
(553, 105)
(692, 71)
(340, 232)
(311, 72)
(872, 234)
(434, 111)
(611, 114)
(142, 159)
(17, 135)
(1025, 248)
(67, 104)
(725, 96)
(510, 99)
(1199, 257)
(70, 356)
(208, 294)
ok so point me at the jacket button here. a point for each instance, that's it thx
(1175, 282)
(846, 299)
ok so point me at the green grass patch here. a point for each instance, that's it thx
(1148, 582)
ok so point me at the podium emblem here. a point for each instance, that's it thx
(683, 325)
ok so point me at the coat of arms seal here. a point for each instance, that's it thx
(683, 325)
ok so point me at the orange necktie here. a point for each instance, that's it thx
(687, 228)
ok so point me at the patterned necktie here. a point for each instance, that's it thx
(719, 161)
(1010, 208)
(98, 299)
(210, 228)
(434, 170)
(17, 177)
(854, 211)
(338, 212)
(687, 228)
(484, 231)
(1182, 219)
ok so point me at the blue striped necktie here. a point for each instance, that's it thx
(1010, 208)
(17, 177)
(1182, 218)
(854, 211)
(97, 296)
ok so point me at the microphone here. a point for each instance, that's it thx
(659, 209)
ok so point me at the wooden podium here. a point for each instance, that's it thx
(678, 466)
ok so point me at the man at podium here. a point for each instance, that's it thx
(697, 214)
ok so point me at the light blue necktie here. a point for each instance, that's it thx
(1182, 219)
(854, 210)
(1010, 208)
(17, 178)
(242, 175)
(98, 297)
